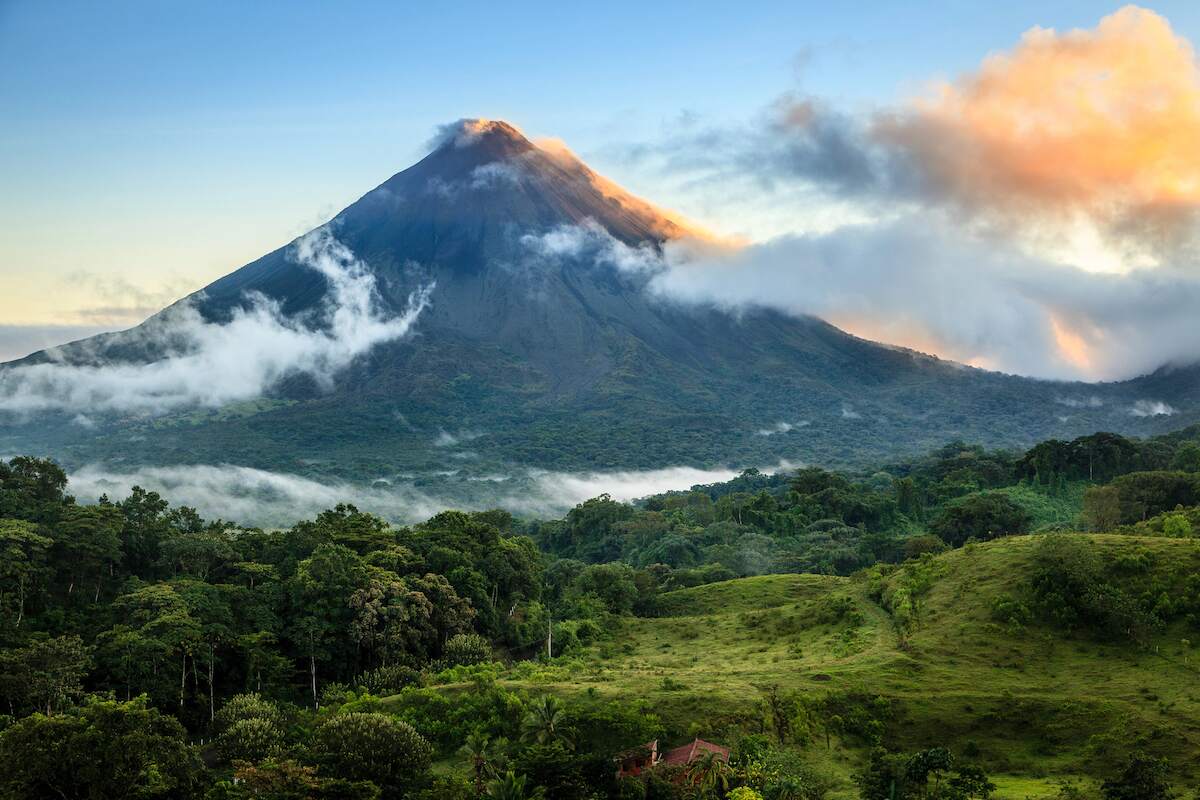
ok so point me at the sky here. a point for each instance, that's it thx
(148, 148)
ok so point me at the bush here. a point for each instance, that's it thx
(254, 740)
(388, 680)
(1144, 778)
(466, 649)
(247, 706)
(1010, 611)
(743, 793)
(372, 747)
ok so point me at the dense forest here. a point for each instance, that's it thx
(147, 652)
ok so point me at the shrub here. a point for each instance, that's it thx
(743, 793)
(1010, 611)
(372, 747)
(386, 681)
(247, 706)
(467, 649)
(253, 739)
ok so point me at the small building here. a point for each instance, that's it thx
(697, 748)
(632, 763)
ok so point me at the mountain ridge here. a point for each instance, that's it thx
(541, 339)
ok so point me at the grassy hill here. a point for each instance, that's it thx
(1030, 702)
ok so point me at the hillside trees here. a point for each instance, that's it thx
(982, 517)
(103, 749)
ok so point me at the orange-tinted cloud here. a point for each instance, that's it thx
(1103, 123)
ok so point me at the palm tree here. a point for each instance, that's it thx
(710, 773)
(484, 754)
(511, 787)
(543, 722)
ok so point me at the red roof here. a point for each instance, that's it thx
(688, 753)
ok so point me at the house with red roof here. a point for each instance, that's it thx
(634, 762)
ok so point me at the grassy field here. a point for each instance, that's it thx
(1031, 704)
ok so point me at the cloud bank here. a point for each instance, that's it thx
(1088, 132)
(1036, 215)
(210, 364)
(922, 283)
(272, 499)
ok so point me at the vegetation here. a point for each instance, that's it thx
(951, 627)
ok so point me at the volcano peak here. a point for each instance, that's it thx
(496, 137)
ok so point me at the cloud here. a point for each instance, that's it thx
(210, 364)
(781, 427)
(1152, 408)
(253, 496)
(1103, 123)
(1083, 132)
(447, 439)
(1080, 402)
(496, 173)
(272, 499)
(465, 132)
(592, 243)
(922, 282)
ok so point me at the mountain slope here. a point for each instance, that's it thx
(540, 347)
(1032, 703)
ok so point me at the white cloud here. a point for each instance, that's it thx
(495, 173)
(591, 242)
(923, 282)
(781, 427)
(1152, 408)
(447, 439)
(1080, 402)
(272, 499)
(212, 364)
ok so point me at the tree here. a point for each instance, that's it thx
(1143, 778)
(512, 787)
(923, 765)
(46, 674)
(146, 525)
(247, 706)
(160, 627)
(251, 740)
(287, 780)
(544, 722)
(1176, 526)
(981, 516)
(32, 489)
(375, 747)
(1101, 508)
(1187, 457)
(321, 590)
(483, 752)
(87, 544)
(22, 566)
(467, 648)
(710, 773)
(613, 583)
(105, 749)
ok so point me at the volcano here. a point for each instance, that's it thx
(541, 346)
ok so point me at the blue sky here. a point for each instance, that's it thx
(149, 147)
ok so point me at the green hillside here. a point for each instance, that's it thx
(1033, 704)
